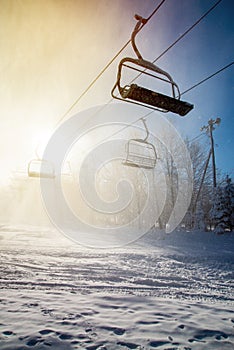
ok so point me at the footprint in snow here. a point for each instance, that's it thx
(33, 341)
(157, 343)
(208, 333)
(181, 326)
(128, 345)
(8, 333)
(115, 330)
(65, 336)
(46, 331)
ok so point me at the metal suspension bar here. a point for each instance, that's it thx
(146, 129)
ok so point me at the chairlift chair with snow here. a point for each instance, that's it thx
(142, 96)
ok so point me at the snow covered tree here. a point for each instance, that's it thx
(228, 194)
(222, 212)
(217, 212)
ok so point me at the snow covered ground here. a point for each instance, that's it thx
(162, 292)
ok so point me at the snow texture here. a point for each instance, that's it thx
(164, 292)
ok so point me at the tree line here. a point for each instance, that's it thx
(210, 208)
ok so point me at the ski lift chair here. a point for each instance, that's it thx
(141, 153)
(41, 168)
(142, 96)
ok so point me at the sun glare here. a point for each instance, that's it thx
(39, 141)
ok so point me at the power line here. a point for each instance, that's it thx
(196, 137)
(108, 65)
(207, 78)
(152, 14)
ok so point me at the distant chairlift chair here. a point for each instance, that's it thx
(140, 95)
(141, 153)
(41, 168)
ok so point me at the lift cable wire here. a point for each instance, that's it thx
(209, 77)
(196, 138)
(107, 66)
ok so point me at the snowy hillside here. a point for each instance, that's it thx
(164, 291)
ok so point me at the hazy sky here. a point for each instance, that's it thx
(52, 49)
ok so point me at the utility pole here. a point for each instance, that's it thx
(201, 184)
(209, 129)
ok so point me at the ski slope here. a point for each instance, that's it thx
(164, 291)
